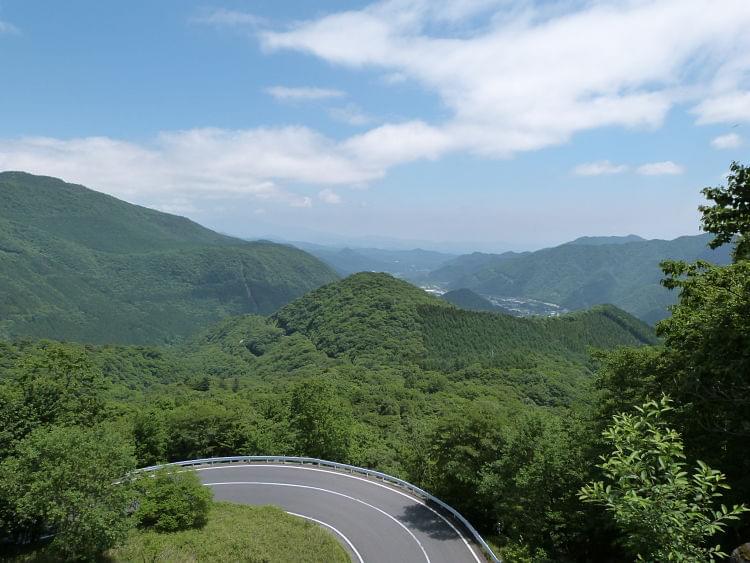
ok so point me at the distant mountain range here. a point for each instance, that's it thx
(623, 271)
(76, 264)
(408, 264)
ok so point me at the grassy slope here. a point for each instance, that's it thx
(251, 534)
(79, 265)
(578, 275)
(234, 532)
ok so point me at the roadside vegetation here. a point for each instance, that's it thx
(233, 532)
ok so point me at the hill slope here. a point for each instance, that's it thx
(467, 299)
(583, 273)
(80, 265)
(377, 316)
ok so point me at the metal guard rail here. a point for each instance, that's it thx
(413, 489)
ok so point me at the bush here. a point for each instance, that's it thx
(62, 481)
(171, 500)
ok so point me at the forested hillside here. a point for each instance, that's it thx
(467, 299)
(81, 265)
(622, 271)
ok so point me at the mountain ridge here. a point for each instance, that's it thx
(81, 265)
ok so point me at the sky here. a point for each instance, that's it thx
(465, 124)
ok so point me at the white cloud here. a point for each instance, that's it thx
(196, 164)
(729, 107)
(329, 196)
(224, 17)
(728, 141)
(533, 74)
(351, 114)
(397, 143)
(304, 94)
(599, 168)
(666, 168)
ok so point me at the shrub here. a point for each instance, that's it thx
(171, 500)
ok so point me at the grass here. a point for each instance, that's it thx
(235, 532)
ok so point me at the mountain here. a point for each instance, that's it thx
(596, 241)
(465, 265)
(375, 316)
(582, 273)
(408, 264)
(466, 299)
(79, 265)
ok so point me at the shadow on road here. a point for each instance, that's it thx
(421, 518)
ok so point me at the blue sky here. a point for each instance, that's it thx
(494, 124)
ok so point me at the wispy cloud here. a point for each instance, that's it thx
(724, 108)
(189, 165)
(527, 76)
(7, 28)
(329, 196)
(351, 114)
(303, 94)
(224, 17)
(728, 141)
(599, 168)
(666, 168)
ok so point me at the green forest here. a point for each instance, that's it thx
(83, 266)
(585, 437)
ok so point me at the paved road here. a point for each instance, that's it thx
(376, 522)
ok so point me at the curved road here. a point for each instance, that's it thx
(374, 521)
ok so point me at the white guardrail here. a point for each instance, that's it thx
(413, 489)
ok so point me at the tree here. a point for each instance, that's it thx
(60, 385)
(664, 514)
(150, 434)
(321, 423)
(729, 217)
(532, 487)
(461, 444)
(707, 371)
(63, 480)
(170, 500)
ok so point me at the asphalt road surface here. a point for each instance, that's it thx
(374, 521)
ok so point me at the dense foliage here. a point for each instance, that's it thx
(60, 480)
(729, 216)
(665, 513)
(171, 500)
(467, 299)
(80, 265)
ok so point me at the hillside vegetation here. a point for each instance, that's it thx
(81, 265)
(622, 271)
(467, 299)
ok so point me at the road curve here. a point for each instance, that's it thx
(374, 521)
